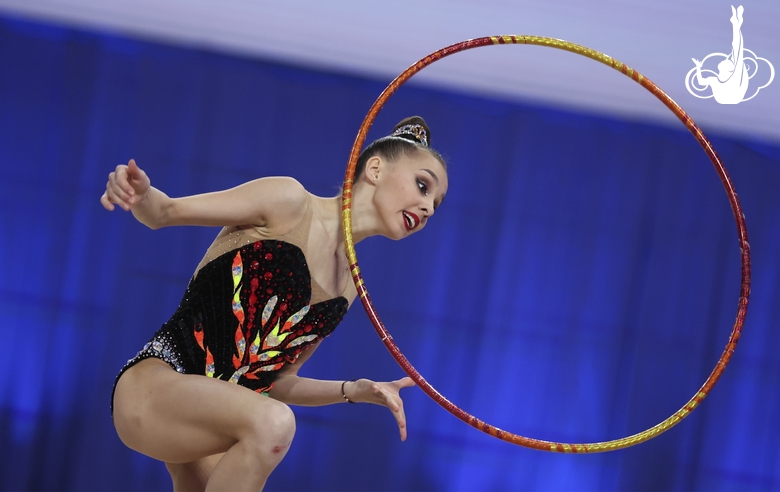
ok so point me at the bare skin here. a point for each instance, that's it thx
(214, 435)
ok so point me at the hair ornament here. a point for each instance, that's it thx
(415, 131)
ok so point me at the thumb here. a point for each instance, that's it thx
(405, 382)
(135, 175)
(132, 167)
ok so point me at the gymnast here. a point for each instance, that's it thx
(731, 84)
(209, 394)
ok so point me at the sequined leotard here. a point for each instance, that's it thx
(247, 311)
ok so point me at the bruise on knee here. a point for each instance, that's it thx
(278, 449)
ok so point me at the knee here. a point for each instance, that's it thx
(279, 425)
(271, 432)
(265, 437)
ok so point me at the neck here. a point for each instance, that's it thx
(365, 222)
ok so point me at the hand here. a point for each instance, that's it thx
(126, 186)
(385, 394)
(697, 62)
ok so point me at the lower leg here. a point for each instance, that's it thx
(192, 476)
(246, 466)
(260, 448)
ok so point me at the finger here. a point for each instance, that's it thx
(114, 186)
(134, 173)
(106, 203)
(113, 198)
(123, 180)
(400, 417)
(115, 195)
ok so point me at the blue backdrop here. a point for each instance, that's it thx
(578, 284)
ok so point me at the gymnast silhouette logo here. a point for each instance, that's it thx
(729, 84)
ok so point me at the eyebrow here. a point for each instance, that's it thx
(432, 174)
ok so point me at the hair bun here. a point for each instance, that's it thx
(413, 128)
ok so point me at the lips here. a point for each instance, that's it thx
(410, 220)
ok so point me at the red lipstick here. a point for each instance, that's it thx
(410, 220)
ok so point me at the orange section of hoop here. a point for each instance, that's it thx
(739, 217)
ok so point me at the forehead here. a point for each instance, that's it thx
(428, 164)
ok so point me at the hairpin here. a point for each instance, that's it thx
(417, 132)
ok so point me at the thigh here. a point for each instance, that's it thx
(180, 418)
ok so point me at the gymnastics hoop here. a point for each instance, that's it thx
(362, 291)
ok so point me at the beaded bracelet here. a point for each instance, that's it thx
(342, 390)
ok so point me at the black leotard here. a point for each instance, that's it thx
(245, 315)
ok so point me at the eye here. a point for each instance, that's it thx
(422, 186)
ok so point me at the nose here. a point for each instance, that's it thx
(427, 208)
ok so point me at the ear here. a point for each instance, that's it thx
(374, 167)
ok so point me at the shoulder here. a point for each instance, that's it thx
(289, 201)
(283, 190)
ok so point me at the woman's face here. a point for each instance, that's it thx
(408, 190)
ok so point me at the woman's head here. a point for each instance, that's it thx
(410, 136)
(409, 179)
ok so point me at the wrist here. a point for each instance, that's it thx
(344, 391)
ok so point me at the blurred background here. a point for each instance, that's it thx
(578, 284)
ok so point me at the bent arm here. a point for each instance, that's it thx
(265, 202)
(701, 80)
(295, 390)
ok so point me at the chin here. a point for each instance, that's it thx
(398, 235)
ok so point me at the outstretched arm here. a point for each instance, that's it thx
(295, 390)
(263, 202)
